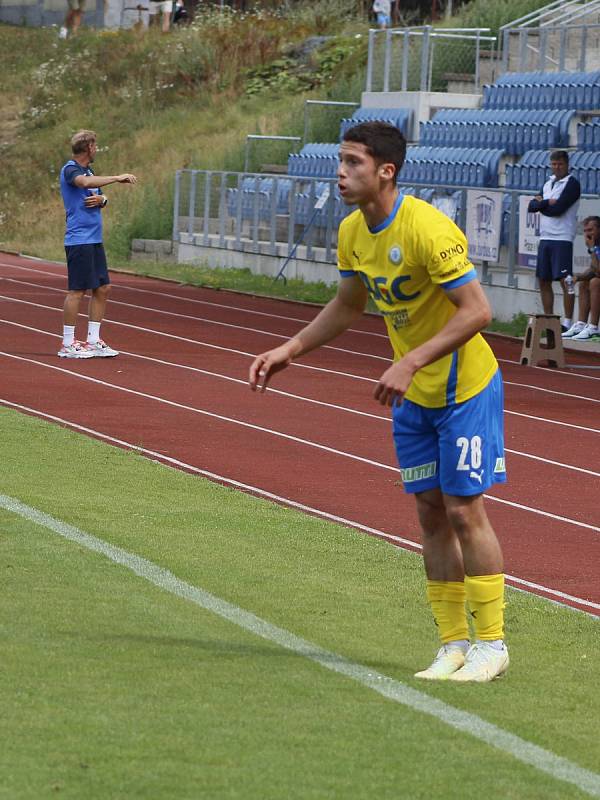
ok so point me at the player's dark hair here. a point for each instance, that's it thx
(383, 141)
(595, 220)
(559, 155)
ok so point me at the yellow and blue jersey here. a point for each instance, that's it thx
(407, 262)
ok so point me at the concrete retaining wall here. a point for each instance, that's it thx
(506, 300)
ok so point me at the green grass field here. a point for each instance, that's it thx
(115, 688)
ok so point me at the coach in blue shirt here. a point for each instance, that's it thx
(86, 261)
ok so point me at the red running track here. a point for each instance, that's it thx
(317, 439)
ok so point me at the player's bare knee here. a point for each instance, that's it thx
(431, 511)
(464, 519)
(103, 291)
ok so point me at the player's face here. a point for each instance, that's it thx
(92, 148)
(591, 233)
(358, 174)
(559, 168)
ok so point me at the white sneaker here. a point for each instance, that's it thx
(100, 349)
(75, 350)
(483, 663)
(63, 33)
(586, 333)
(575, 328)
(448, 660)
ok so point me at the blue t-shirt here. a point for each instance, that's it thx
(83, 225)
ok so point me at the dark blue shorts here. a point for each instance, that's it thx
(459, 449)
(554, 260)
(86, 266)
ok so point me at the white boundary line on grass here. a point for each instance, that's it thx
(538, 589)
(508, 743)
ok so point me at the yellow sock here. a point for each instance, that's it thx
(485, 598)
(447, 601)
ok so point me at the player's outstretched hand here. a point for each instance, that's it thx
(267, 364)
(126, 178)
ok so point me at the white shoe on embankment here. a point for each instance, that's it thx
(586, 334)
(575, 328)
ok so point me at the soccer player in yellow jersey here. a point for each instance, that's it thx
(444, 387)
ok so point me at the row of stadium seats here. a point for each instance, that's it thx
(458, 166)
(544, 90)
(537, 76)
(514, 130)
(315, 161)
(400, 118)
(255, 199)
(532, 171)
(588, 135)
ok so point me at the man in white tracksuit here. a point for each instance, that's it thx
(557, 205)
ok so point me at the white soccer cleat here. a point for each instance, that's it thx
(575, 328)
(75, 350)
(448, 660)
(100, 349)
(63, 33)
(483, 663)
(589, 332)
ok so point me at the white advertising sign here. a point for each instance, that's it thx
(529, 234)
(484, 221)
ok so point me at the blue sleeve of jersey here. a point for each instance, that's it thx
(469, 276)
(72, 171)
(347, 273)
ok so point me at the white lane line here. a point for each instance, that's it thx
(203, 412)
(285, 337)
(289, 437)
(297, 364)
(187, 339)
(196, 319)
(124, 286)
(302, 398)
(551, 391)
(275, 316)
(396, 540)
(553, 371)
(505, 742)
(549, 421)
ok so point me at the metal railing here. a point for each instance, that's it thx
(552, 38)
(417, 59)
(238, 211)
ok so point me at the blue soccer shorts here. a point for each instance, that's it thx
(86, 266)
(459, 448)
(554, 260)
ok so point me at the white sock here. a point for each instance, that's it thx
(68, 335)
(567, 322)
(93, 332)
(497, 644)
(461, 644)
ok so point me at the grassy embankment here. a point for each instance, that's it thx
(161, 103)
